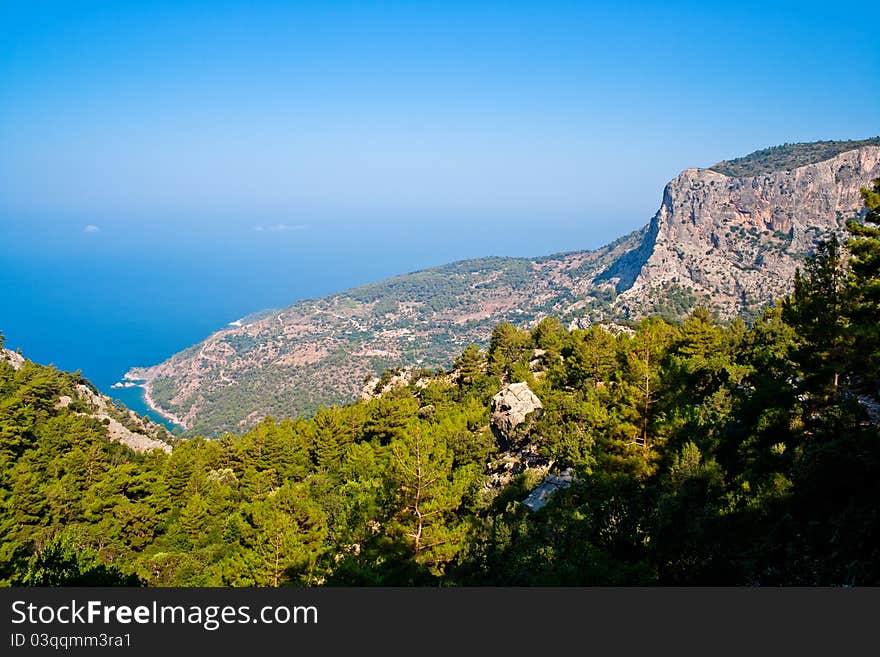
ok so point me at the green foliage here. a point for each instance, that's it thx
(429, 492)
(509, 351)
(287, 536)
(788, 156)
(864, 289)
(63, 562)
(816, 311)
(471, 365)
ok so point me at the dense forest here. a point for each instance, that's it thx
(702, 453)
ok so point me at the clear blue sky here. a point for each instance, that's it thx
(299, 113)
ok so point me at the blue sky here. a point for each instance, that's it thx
(232, 115)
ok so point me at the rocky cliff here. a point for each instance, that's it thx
(735, 243)
(730, 243)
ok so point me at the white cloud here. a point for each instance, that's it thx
(91, 228)
(280, 228)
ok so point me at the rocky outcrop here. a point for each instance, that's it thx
(511, 407)
(102, 409)
(375, 386)
(122, 425)
(734, 243)
(13, 358)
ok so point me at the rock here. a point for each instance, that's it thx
(13, 358)
(734, 243)
(540, 495)
(136, 441)
(141, 435)
(510, 408)
(101, 405)
(95, 401)
(872, 408)
(374, 387)
(537, 360)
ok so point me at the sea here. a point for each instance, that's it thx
(103, 295)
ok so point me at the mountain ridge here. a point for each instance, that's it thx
(731, 243)
(788, 156)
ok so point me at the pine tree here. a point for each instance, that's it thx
(193, 517)
(507, 346)
(864, 291)
(471, 365)
(390, 414)
(549, 335)
(331, 438)
(817, 310)
(288, 538)
(647, 349)
(592, 357)
(429, 493)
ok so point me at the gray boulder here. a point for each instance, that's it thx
(511, 407)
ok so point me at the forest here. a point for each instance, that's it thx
(703, 454)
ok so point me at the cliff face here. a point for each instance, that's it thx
(730, 243)
(736, 242)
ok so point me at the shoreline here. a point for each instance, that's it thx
(153, 406)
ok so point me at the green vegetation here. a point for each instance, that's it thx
(670, 301)
(788, 156)
(162, 389)
(441, 288)
(703, 453)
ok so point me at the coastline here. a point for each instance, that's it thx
(144, 385)
(153, 406)
(168, 415)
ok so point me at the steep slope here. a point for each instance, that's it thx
(75, 394)
(736, 242)
(730, 243)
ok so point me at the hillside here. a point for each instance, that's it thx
(73, 396)
(788, 156)
(729, 243)
(320, 351)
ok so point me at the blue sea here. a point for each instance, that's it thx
(133, 292)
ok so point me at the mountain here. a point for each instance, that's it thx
(734, 243)
(729, 242)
